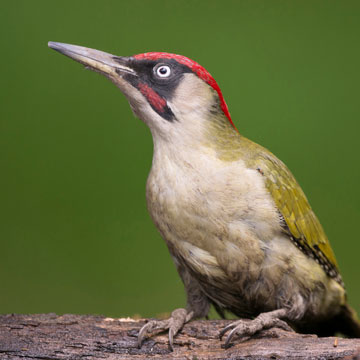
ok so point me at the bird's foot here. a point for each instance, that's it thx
(174, 323)
(248, 328)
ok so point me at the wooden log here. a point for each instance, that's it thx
(49, 336)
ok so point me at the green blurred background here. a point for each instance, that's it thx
(74, 230)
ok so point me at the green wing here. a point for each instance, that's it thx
(301, 223)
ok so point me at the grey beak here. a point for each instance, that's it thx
(108, 64)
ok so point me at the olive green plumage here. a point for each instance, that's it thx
(300, 222)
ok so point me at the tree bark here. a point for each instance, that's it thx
(48, 336)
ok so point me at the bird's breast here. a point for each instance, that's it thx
(213, 215)
(221, 224)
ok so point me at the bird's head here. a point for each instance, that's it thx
(172, 94)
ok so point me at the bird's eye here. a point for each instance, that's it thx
(163, 71)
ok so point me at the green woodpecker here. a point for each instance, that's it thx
(237, 224)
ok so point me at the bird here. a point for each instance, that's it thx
(238, 226)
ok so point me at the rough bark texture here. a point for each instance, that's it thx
(48, 336)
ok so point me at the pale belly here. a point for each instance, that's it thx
(233, 247)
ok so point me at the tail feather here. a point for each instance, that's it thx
(349, 324)
(345, 322)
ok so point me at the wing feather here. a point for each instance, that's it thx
(301, 223)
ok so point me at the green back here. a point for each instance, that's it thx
(302, 225)
(300, 222)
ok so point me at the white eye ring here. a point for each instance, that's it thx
(163, 71)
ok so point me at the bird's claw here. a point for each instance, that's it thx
(248, 328)
(150, 327)
(226, 329)
(171, 339)
(174, 323)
